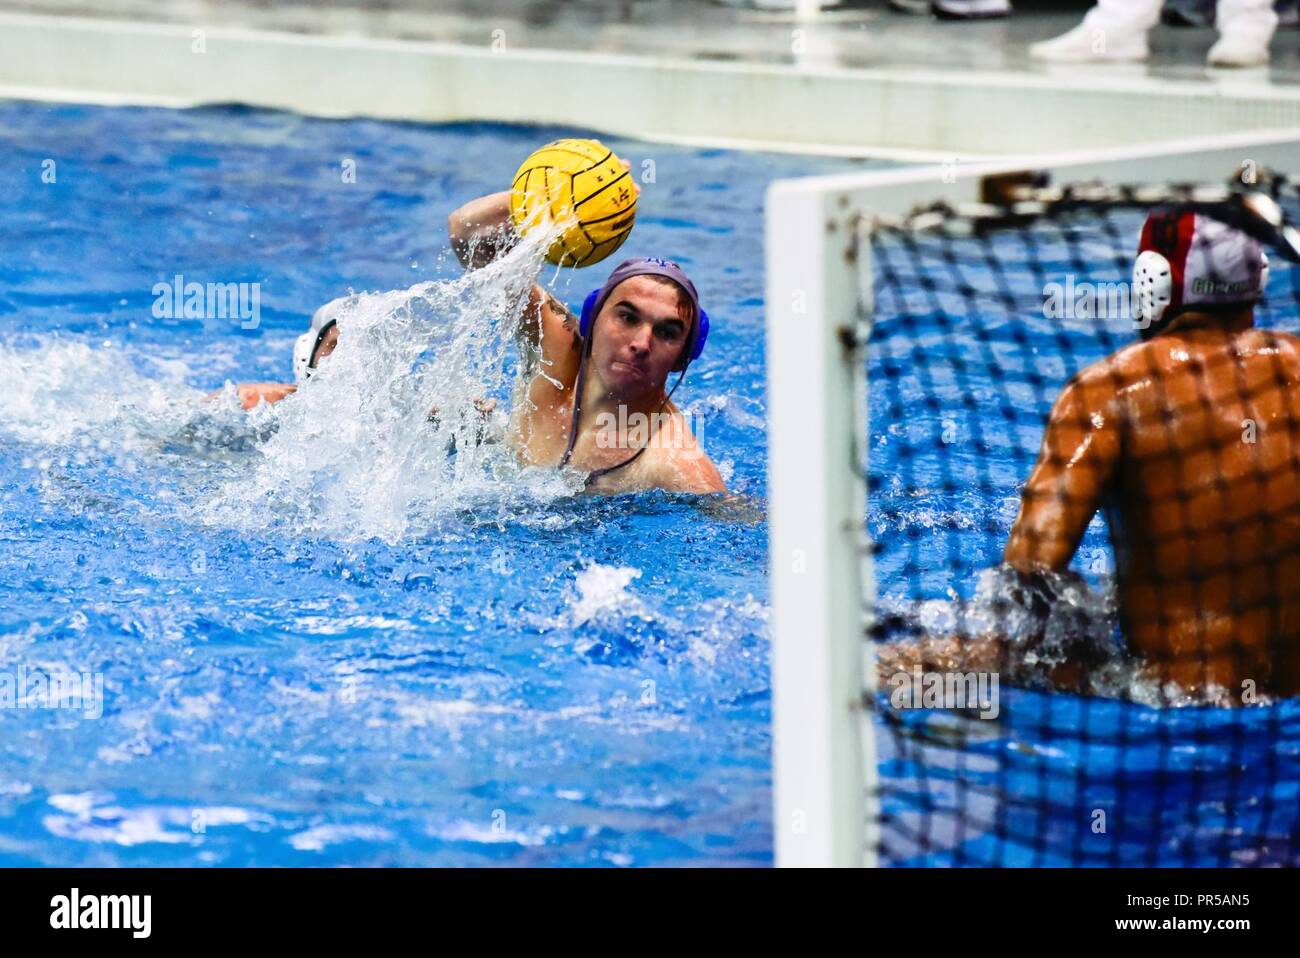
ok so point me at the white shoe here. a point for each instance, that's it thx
(1235, 50)
(970, 9)
(914, 7)
(1091, 44)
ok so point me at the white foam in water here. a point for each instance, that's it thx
(355, 454)
(320, 837)
(603, 589)
(60, 390)
(1077, 621)
(90, 817)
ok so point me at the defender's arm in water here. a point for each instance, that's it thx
(252, 394)
(322, 339)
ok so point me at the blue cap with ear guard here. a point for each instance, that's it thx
(650, 266)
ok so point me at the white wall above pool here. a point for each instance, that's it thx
(900, 113)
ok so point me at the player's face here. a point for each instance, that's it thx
(639, 335)
(327, 344)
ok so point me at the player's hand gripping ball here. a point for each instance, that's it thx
(580, 188)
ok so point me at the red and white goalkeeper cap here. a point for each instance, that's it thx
(1188, 260)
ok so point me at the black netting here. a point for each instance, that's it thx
(1128, 576)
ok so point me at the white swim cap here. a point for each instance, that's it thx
(304, 350)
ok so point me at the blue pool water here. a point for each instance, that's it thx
(514, 678)
(331, 644)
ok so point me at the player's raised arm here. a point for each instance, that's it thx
(1080, 450)
(584, 192)
(481, 230)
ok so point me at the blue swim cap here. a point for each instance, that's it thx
(650, 266)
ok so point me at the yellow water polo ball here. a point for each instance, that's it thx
(580, 187)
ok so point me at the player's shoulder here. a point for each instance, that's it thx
(1285, 343)
(1271, 353)
(551, 347)
(678, 460)
(1109, 374)
(1138, 362)
(1126, 365)
(1140, 358)
(674, 430)
(555, 311)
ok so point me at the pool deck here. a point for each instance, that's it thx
(882, 84)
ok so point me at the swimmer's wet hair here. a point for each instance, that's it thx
(684, 304)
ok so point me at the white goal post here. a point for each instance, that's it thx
(818, 298)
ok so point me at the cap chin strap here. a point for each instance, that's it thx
(1153, 288)
(303, 347)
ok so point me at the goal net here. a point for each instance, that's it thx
(1035, 561)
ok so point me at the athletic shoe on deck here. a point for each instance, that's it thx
(970, 9)
(1091, 44)
(1245, 29)
(918, 7)
(1237, 50)
(1200, 13)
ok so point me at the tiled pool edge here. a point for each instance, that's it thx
(913, 115)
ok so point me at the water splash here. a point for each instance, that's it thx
(602, 590)
(65, 392)
(385, 438)
(1043, 624)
